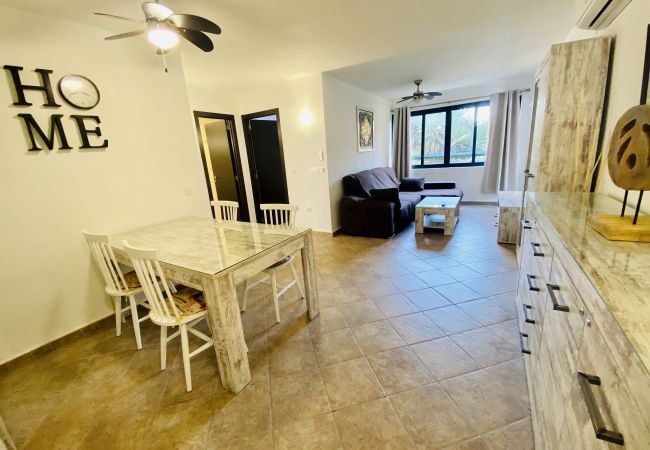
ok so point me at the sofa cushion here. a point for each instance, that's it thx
(439, 185)
(441, 193)
(360, 184)
(412, 184)
(385, 195)
(410, 197)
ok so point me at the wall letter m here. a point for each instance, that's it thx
(56, 127)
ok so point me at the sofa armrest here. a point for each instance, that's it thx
(363, 217)
(440, 185)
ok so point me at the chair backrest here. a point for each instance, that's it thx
(106, 261)
(154, 284)
(279, 214)
(226, 210)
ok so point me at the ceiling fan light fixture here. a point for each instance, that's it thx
(162, 38)
(156, 11)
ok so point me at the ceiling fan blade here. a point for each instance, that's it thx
(430, 95)
(154, 10)
(195, 23)
(119, 17)
(126, 35)
(404, 99)
(197, 38)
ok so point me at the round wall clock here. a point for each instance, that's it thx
(79, 91)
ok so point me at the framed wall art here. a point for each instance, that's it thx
(365, 130)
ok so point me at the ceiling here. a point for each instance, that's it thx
(378, 45)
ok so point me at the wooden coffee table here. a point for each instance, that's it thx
(437, 212)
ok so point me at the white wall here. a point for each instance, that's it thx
(629, 30)
(208, 100)
(340, 103)
(302, 144)
(150, 172)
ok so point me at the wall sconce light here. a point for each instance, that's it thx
(306, 117)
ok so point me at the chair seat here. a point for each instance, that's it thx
(278, 265)
(132, 281)
(189, 301)
(133, 286)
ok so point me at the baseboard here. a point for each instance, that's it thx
(107, 321)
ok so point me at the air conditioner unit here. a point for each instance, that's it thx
(597, 14)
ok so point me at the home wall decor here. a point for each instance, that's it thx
(365, 130)
(628, 163)
(76, 90)
(645, 92)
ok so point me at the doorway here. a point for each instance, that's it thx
(221, 161)
(263, 135)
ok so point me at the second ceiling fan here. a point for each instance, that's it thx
(418, 95)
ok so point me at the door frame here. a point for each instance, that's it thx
(234, 154)
(246, 118)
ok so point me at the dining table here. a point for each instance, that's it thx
(215, 256)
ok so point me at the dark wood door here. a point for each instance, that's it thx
(223, 156)
(266, 158)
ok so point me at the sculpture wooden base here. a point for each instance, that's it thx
(616, 228)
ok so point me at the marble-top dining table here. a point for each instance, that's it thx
(215, 256)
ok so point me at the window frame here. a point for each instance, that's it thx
(447, 149)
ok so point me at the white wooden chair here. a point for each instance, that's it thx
(170, 307)
(118, 284)
(226, 210)
(277, 215)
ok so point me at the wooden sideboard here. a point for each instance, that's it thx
(584, 319)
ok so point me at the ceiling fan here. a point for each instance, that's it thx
(418, 95)
(163, 28)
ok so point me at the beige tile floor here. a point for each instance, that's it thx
(415, 347)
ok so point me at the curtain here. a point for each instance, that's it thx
(505, 149)
(402, 142)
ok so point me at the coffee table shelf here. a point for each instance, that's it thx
(446, 207)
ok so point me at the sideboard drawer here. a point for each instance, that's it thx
(565, 314)
(618, 343)
(540, 249)
(547, 402)
(600, 398)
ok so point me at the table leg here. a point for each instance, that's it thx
(221, 299)
(419, 220)
(309, 274)
(450, 222)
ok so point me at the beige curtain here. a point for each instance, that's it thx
(503, 153)
(402, 142)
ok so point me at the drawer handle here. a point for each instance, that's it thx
(531, 286)
(594, 414)
(521, 342)
(526, 318)
(551, 288)
(534, 246)
(526, 224)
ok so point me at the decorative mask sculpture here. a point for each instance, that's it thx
(629, 150)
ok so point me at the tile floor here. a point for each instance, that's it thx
(416, 347)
